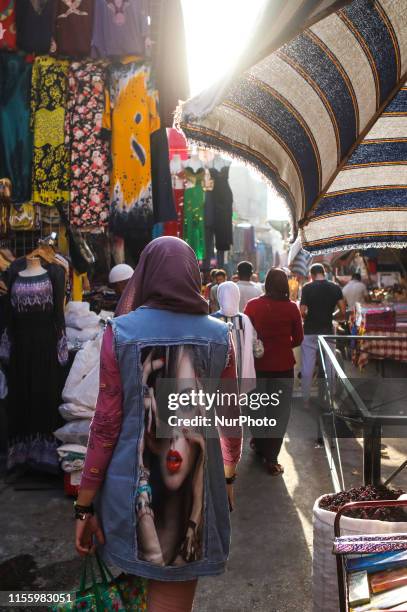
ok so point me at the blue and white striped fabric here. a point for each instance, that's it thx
(299, 115)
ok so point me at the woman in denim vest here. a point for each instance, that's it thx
(162, 503)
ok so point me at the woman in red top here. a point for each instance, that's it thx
(278, 323)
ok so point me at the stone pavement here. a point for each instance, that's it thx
(271, 555)
(270, 563)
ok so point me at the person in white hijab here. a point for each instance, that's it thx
(244, 334)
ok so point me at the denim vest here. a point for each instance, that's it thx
(116, 503)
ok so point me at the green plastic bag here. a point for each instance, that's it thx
(110, 594)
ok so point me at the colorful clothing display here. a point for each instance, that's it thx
(15, 133)
(35, 325)
(35, 25)
(89, 151)
(194, 205)
(74, 27)
(7, 24)
(120, 28)
(131, 116)
(51, 162)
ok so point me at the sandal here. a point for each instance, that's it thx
(274, 469)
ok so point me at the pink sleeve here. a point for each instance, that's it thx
(106, 423)
(231, 447)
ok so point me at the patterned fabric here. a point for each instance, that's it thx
(7, 25)
(297, 115)
(73, 27)
(194, 205)
(120, 28)
(131, 107)
(383, 349)
(370, 543)
(51, 163)
(32, 293)
(89, 151)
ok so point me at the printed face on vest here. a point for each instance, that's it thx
(171, 485)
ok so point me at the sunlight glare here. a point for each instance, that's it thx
(216, 33)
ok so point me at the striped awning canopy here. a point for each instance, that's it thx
(324, 118)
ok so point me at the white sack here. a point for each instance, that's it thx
(85, 361)
(75, 432)
(82, 335)
(324, 576)
(70, 412)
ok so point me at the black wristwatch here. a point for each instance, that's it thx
(82, 512)
(231, 479)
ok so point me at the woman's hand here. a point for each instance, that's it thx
(85, 530)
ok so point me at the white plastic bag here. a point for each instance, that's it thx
(86, 360)
(82, 335)
(324, 577)
(74, 432)
(70, 412)
(85, 393)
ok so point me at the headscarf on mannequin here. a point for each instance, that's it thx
(167, 277)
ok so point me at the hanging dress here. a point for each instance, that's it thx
(194, 210)
(222, 197)
(38, 349)
(120, 28)
(7, 25)
(74, 27)
(35, 24)
(15, 133)
(51, 160)
(89, 205)
(131, 116)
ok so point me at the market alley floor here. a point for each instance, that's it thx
(270, 562)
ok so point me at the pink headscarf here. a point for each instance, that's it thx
(167, 277)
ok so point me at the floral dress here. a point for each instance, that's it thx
(89, 151)
(131, 115)
(51, 162)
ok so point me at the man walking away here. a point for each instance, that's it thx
(355, 291)
(319, 300)
(248, 290)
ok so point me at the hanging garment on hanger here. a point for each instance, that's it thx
(223, 208)
(89, 202)
(51, 163)
(15, 134)
(74, 27)
(35, 332)
(120, 28)
(163, 199)
(35, 24)
(131, 116)
(7, 25)
(194, 205)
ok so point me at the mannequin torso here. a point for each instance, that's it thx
(34, 268)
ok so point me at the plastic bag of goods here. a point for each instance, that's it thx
(70, 412)
(78, 316)
(72, 457)
(82, 335)
(324, 574)
(77, 389)
(74, 432)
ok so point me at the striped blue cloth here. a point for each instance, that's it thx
(323, 118)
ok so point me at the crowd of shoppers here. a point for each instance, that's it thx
(163, 503)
